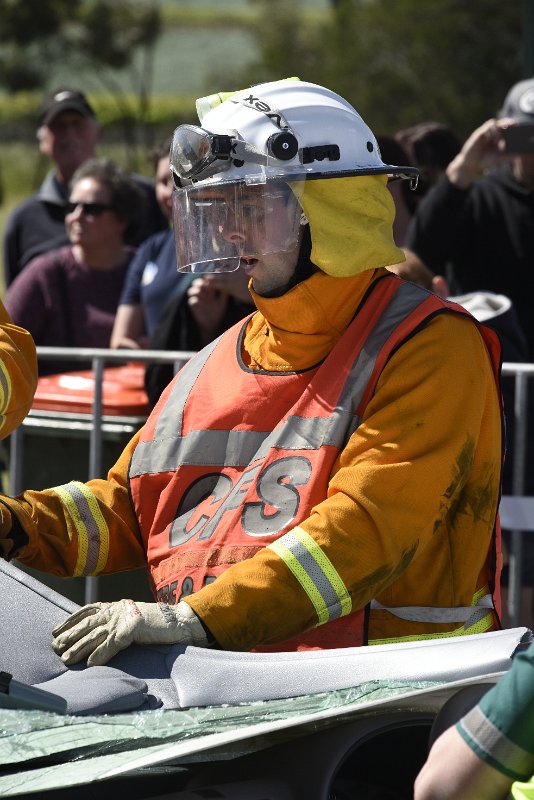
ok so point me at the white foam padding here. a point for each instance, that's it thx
(205, 677)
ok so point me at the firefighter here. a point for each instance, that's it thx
(18, 373)
(327, 472)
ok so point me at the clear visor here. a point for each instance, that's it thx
(217, 226)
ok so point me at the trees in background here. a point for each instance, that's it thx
(28, 43)
(96, 36)
(398, 61)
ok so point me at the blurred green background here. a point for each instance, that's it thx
(398, 61)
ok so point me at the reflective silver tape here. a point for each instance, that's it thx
(493, 742)
(91, 527)
(169, 449)
(436, 615)
(233, 448)
(406, 299)
(170, 421)
(199, 448)
(313, 572)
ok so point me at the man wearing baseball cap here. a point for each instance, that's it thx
(64, 100)
(68, 132)
(519, 102)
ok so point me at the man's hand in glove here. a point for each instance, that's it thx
(100, 630)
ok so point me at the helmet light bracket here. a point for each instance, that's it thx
(320, 152)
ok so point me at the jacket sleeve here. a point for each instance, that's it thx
(401, 474)
(500, 729)
(75, 529)
(437, 224)
(18, 373)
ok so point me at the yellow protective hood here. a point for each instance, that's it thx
(351, 223)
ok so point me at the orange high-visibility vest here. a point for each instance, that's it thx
(235, 458)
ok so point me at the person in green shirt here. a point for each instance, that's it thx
(489, 753)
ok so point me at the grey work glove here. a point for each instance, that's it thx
(101, 630)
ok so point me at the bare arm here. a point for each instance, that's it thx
(454, 772)
(490, 747)
(129, 330)
(482, 150)
(233, 284)
(208, 297)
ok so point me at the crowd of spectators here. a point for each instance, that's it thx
(89, 259)
(68, 296)
(84, 267)
(68, 133)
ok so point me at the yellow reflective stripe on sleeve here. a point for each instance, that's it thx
(5, 392)
(91, 527)
(300, 574)
(316, 574)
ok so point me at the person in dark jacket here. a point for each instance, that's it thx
(69, 297)
(476, 226)
(190, 321)
(152, 278)
(68, 133)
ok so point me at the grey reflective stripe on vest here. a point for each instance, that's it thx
(168, 450)
(436, 615)
(171, 417)
(407, 298)
(170, 422)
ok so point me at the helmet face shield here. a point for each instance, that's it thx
(217, 225)
(242, 173)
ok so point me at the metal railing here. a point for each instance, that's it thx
(522, 373)
(97, 358)
(97, 425)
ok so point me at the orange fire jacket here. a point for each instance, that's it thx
(409, 514)
(218, 475)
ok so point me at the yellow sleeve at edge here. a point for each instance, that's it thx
(18, 373)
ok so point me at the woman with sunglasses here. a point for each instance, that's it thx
(69, 297)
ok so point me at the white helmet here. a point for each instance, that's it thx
(262, 140)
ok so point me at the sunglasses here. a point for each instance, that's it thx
(89, 209)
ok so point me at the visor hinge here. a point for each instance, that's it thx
(222, 146)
